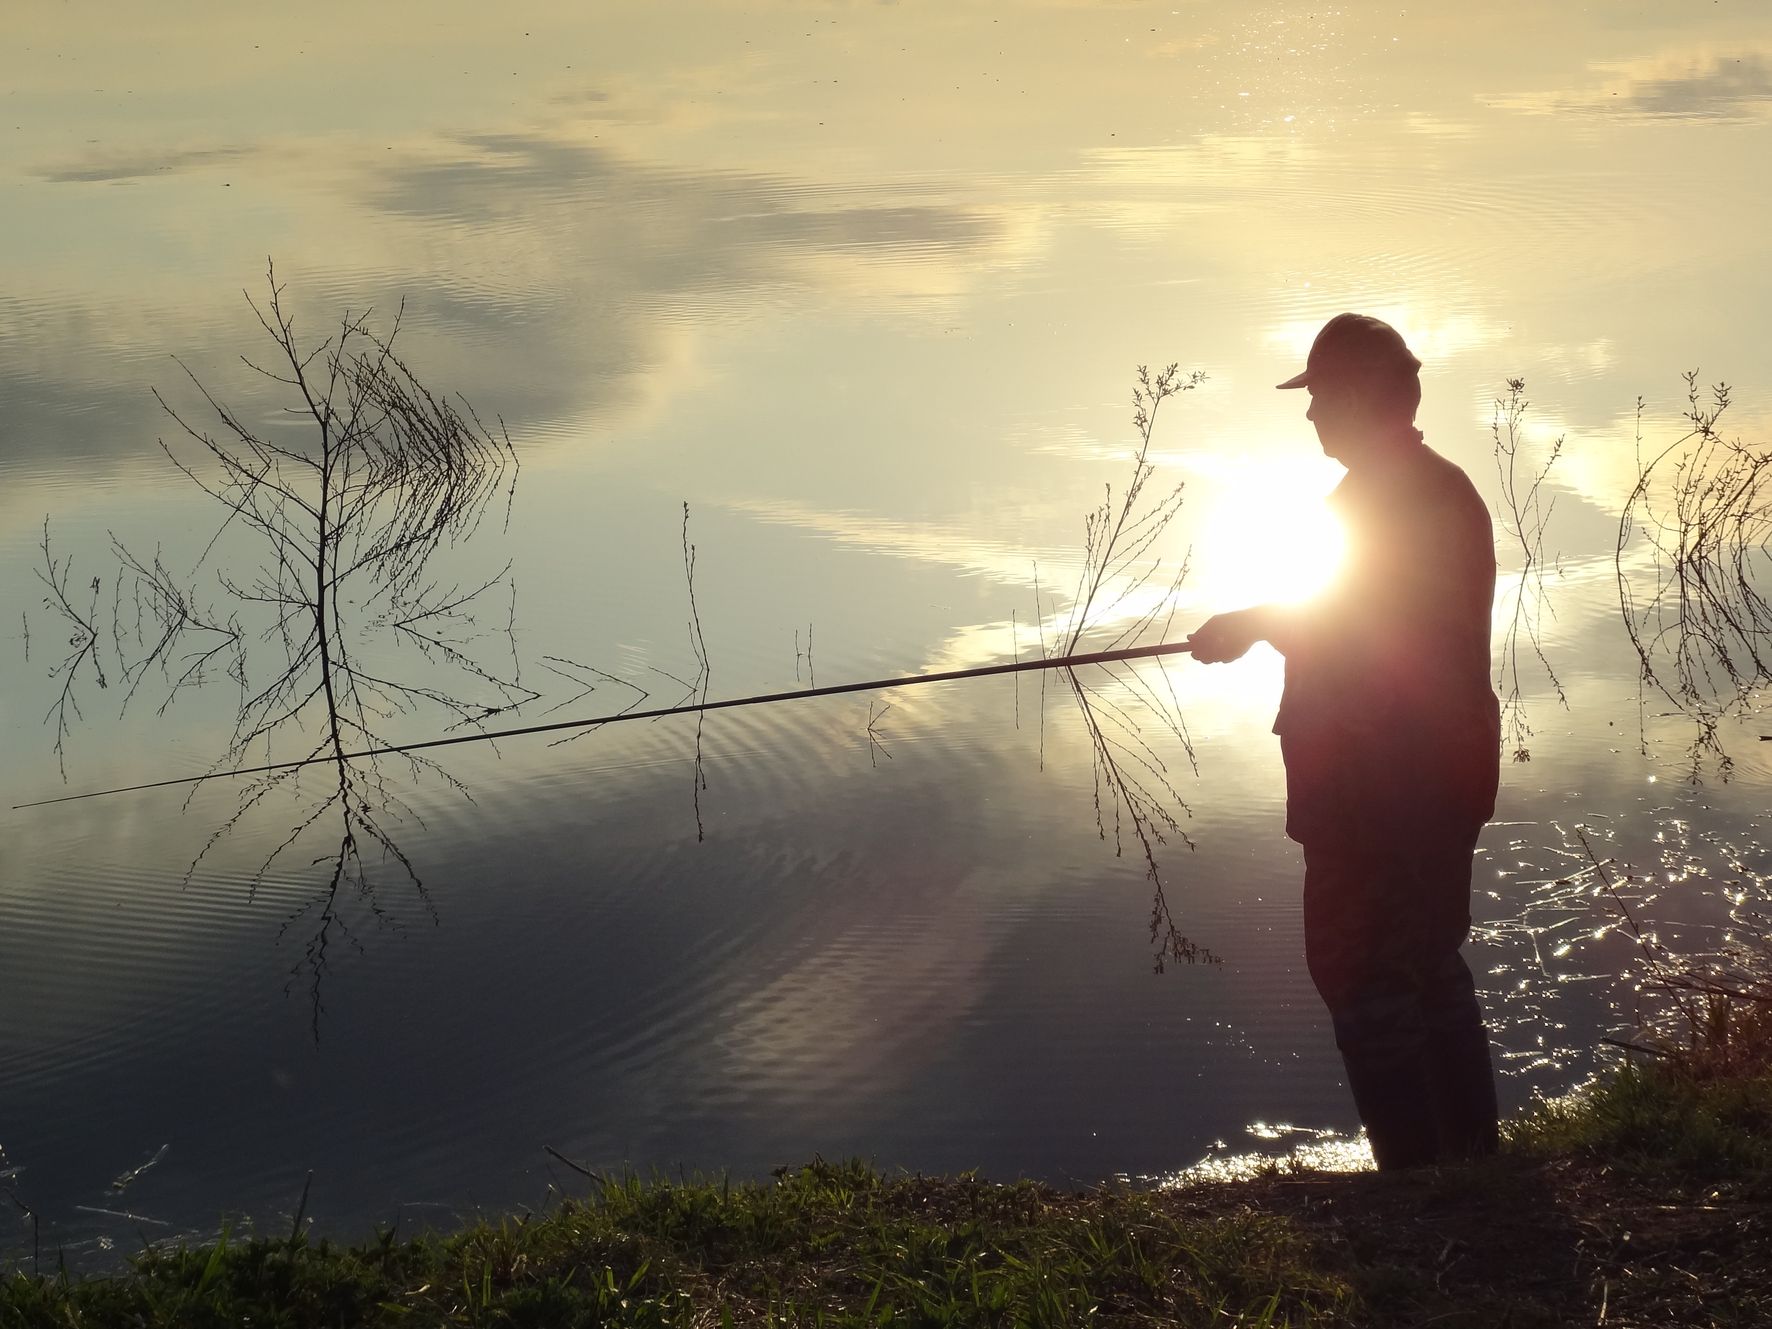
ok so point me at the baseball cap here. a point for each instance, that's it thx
(1350, 346)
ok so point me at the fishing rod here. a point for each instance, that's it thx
(689, 708)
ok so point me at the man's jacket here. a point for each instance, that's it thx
(1388, 724)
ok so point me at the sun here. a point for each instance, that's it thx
(1264, 535)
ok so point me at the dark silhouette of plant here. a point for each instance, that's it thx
(699, 689)
(1524, 512)
(82, 656)
(1700, 515)
(164, 613)
(877, 711)
(695, 691)
(1118, 536)
(1126, 593)
(345, 506)
(1707, 1010)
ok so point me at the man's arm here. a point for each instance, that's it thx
(1229, 636)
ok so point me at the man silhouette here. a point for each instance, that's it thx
(1390, 734)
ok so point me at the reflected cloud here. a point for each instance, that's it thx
(950, 545)
(1600, 464)
(1701, 85)
(1434, 340)
(506, 175)
(1150, 190)
(1581, 359)
(1433, 126)
(139, 164)
(66, 389)
(886, 992)
(545, 273)
(1226, 159)
(331, 560)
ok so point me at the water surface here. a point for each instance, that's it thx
(866, 288)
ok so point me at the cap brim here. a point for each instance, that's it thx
(1299, 380)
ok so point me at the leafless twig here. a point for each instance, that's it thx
(1700, 515)
(1524, 512)
(345, 519)
(82, 646)
(1128, 585)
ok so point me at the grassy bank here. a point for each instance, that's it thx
(1645, 1202)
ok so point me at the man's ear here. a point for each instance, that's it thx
(1356, 398)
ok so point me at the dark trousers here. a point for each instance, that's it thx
(1382, 928)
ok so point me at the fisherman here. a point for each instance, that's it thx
(1390, 734)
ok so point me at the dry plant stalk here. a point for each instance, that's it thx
(1701, 514)
(1524, 513)
(82, 655)
(1135, 796)
(1708, 1014)
(344, 599)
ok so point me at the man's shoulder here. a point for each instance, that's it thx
(1442, 483)
(1417, 497)
(1419, 474)
(1443, 472)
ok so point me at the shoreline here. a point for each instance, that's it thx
(1646, 1199)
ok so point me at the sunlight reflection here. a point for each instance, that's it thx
(1311, 1150)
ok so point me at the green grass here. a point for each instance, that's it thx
(830, 1243)
(1660, 1122)
(1644, 1195)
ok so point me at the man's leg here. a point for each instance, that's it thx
(1383, 1043)
(1459, 1071)
(1461, 1079)
(1362, 973)
(1381, 939)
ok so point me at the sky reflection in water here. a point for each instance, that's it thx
(866, 287)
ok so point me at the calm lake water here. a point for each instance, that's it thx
(866, 287)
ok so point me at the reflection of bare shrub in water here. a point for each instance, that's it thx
(1701, 515)
(698, 690)
(163, 614)
(346, 522)
(1126, 595)
(1524, 513)
(1134, 794)
(82, 652)
(1119, 570)
(695, 690)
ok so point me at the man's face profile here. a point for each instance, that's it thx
(1343, 421)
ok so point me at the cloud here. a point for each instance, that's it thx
(568, 274)
(947, 544)
(580, 97)
(138, 164)
(71, 378)
(546, 278)
(502, 176)
(1734, 85)
(1436, 338)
